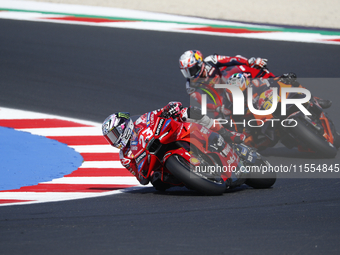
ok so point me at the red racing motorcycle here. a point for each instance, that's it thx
(180, 153)
(247, 71)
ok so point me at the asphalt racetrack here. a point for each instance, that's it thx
(88, 73)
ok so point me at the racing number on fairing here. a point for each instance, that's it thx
(145, 135)
(268, 103)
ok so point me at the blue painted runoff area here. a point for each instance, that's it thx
(27, 159)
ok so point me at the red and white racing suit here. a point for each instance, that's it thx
(213, 65)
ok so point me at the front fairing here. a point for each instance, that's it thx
(168, 133)
(248, 71)
(148, 128)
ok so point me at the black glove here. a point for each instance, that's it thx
(173, 109)
(289, 78)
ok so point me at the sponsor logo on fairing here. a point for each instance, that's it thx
(204, 130)
(166, 124)
(140, 157)
(148, 119)
(141, 165)
(125, 161)
(159, 127)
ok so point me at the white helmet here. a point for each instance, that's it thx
(191, 63)
(117, 129)
(238, 80)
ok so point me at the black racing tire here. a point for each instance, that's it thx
(180, 168)
(312, 139)
(336, 135)
(261, 179)
(336, 139)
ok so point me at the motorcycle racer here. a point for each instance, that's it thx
(194, 67)
(120, 131)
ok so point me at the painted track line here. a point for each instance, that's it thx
(142, 20)
(100, 174)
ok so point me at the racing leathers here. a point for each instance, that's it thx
(217, 100)
(179, 113)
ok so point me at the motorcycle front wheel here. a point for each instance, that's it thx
(202, 182)
(259, 179)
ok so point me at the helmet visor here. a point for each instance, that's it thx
(191, 72)
(194, 70)
(127, 128)
(113, 135)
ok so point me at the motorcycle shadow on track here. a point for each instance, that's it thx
(182, 191)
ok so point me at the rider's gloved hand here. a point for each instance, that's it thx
(289, 78)
(173, 109)
(184, 115)
(257, 62)
(223, 110)
(231, 137)
(238, 137)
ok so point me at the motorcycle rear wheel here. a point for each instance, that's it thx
(183, 171)
(336, 139)
(310, 137)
